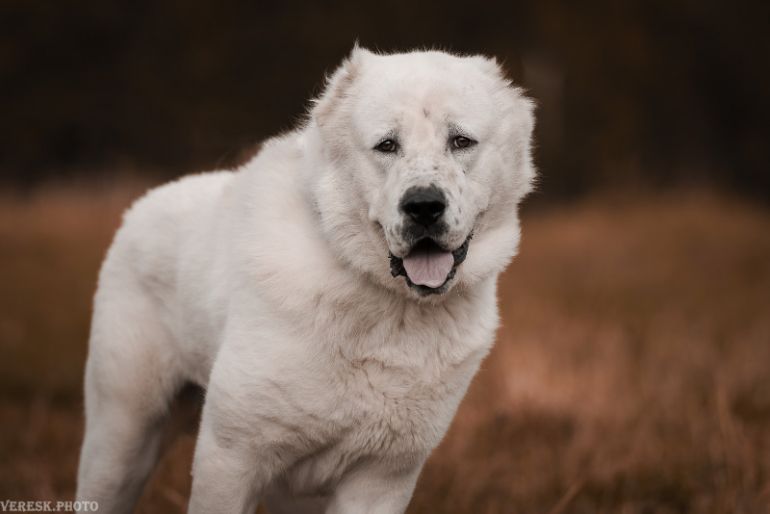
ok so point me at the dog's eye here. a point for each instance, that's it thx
(386, 146)
(461, 142)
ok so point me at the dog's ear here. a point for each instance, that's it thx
(517, 114)
(338, 85)
(489, 66)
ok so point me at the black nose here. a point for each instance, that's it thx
(424, 205)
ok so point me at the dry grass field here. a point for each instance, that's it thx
(631, 373)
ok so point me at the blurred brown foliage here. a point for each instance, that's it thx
(630, 373)
(656, 92)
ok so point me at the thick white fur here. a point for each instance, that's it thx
(328, 381)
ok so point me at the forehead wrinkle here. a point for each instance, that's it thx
(423, 131)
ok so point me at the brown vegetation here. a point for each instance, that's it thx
(631, 373)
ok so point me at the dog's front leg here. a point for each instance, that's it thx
(245, 436)
(375, 489)
(228, 471)
(225, 478)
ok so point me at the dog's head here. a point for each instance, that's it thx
(424, 159)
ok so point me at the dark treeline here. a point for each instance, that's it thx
(653, 92)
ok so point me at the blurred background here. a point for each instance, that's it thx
(632, 369)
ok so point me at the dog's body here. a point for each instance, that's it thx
(329, 376)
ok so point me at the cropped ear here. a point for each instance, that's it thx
(517, 114)
(513, 98)
(338, 85)
(489, 66)
(520, 118)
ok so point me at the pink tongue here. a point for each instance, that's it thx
(428, 268)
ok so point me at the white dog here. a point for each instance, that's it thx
(334, 296)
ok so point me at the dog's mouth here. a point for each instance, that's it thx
(428, 266)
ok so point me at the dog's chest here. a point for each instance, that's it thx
(395, 395)
(396, 410)
(385, 390)
(383, 414)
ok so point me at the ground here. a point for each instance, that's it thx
(631, 372)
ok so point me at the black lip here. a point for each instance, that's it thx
(397, 266)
